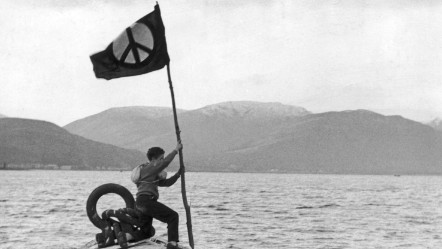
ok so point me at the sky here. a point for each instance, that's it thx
(328, 55)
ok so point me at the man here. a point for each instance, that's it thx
(151, 176)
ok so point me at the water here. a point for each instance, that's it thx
(46, 209)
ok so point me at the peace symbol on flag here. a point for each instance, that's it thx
(139, 49)
(134, 45)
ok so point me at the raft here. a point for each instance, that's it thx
(151, 243)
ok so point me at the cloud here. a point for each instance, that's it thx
(69, 4)
(374, 4)
(327, 54)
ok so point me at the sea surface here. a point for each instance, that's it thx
(46, 209)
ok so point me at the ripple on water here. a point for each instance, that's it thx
(251, 211)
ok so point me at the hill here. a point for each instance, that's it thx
(124, 126)
(40, 142)
(353, 142)
(270, 137)
(140, 130)
(2, 116)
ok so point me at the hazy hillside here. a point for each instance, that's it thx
(2, 116)
(32, 141)
(436, 124)
(345, 142)
(250, 110)
(214, 129)
(231, 123)
(270, 137)
(124, 126)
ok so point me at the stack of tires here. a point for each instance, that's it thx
(117, 226)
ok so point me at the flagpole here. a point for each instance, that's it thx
(183, 181)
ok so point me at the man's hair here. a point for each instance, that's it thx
(154, 152)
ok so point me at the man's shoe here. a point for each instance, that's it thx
(171, 246)
(122, 241)
(121, 236)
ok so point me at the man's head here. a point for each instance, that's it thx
(155, 153)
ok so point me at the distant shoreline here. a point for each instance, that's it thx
(14, 169)
(230, 172)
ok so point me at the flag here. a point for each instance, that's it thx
(140, 49)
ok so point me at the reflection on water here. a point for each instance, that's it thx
(46, 209)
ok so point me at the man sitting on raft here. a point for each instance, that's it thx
(148, 177)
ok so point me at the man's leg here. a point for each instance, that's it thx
(162, 213)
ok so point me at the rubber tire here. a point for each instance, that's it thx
(108, 188)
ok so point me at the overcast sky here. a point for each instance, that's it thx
(333, 55)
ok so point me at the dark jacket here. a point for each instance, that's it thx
(149, 180)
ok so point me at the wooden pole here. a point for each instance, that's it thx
(183, 180)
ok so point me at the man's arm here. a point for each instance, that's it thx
(169, 182)
(161, 165)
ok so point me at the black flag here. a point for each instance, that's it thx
(140, 49)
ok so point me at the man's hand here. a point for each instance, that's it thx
(179, 147)
(181, 170)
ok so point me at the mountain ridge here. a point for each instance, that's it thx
(235, 137)
(42, 142)
(128, 122)
(136, 133)
(247, 108)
